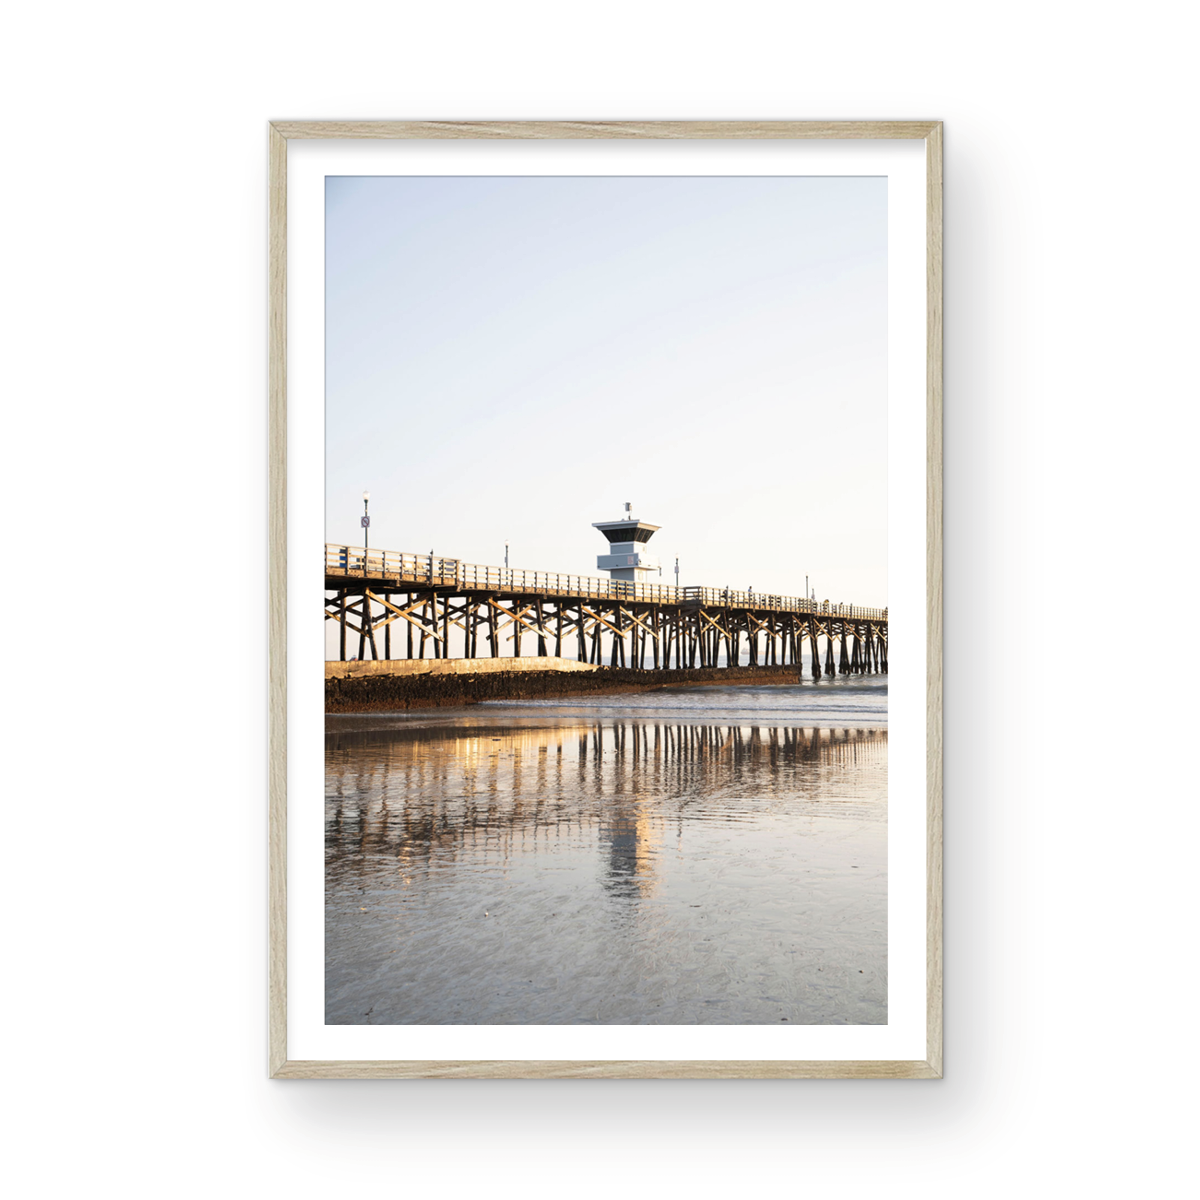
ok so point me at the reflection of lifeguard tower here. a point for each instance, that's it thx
(627, 557)
(633, 849)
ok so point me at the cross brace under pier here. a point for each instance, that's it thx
(440, 623)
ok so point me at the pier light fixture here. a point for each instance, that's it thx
(365, 522)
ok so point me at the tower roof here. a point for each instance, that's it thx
(631, 530)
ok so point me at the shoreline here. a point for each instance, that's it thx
(392, 693)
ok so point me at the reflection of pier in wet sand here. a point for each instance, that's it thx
(493, 783)
(610, 870)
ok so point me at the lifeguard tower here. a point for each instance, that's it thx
(627, 557)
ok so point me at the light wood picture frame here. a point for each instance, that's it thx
(280, 1065)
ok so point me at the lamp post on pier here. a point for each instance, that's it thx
(365, 522)
(366, 632)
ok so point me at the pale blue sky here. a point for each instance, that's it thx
(514, 358)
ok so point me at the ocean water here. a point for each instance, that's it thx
(711, 855)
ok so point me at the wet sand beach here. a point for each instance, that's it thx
(683, 856)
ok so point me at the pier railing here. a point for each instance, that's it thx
(389, 567)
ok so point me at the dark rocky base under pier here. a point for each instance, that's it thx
(390, 693)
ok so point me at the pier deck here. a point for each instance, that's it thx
(445, 604)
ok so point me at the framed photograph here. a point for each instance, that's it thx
(604, 460)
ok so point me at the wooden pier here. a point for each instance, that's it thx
(446, 608)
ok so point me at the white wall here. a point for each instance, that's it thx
(134, 208)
